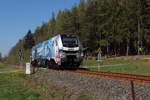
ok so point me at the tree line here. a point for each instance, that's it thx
(118, 27)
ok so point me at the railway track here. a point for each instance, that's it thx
(118, 76)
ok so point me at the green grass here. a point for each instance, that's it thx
(18, 86)
(84, 96)
(130, 66)
(12, 87)
(48, 92)
(130, 69)
(103, 62)
(4, 67)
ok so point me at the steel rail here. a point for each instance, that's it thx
(118, 76)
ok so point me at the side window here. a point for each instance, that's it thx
(53, 43)
(56, 43)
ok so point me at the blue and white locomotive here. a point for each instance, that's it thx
(59, 51)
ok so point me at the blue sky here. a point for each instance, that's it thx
(18, 16)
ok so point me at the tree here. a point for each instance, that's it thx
(91, 25)
(118, 27)
(28, 40)
(52, 25)
(81, 8)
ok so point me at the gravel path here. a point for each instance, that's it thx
(97, 88)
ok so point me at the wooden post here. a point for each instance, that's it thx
(132, 90)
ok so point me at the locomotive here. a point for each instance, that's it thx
(63, 50)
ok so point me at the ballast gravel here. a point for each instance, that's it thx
(97, 88)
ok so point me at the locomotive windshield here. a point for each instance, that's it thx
(69, 40)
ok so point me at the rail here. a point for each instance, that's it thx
(119, 76)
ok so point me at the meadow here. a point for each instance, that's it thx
(19, 86)
(130, 65)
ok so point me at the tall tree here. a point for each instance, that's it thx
(52, 26)
(29, 40)
(81, 8)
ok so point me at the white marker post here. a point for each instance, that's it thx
(28, 68)
(99, 56)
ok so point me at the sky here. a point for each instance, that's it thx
(18, 16)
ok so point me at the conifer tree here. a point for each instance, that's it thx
(28, 40)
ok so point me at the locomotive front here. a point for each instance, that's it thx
(71, 50)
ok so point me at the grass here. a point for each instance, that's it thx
(84, 96)
(12, 87)
(130, 66)
(130, 69)
(89, 63)
(4, 67)
(47, 91)
(18, 86)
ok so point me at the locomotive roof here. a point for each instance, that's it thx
(53, 38)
